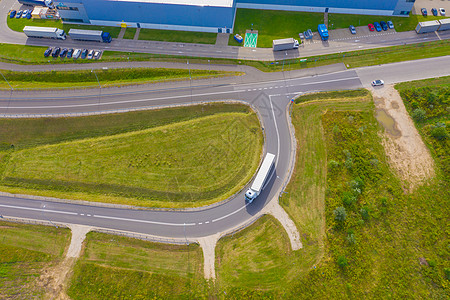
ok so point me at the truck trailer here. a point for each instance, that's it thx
(90, 35)
(323, 32)
(44, 32)
(261, 178)
(285, 44)
(429, 26)
(445, 24)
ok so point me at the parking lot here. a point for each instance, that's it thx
(344, 34)
(429, 4)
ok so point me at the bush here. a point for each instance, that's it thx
(342, 262)
(340, 214)
(348, 199)
(418, 115)
(439, 133)
(365, 213)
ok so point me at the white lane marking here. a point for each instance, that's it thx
(88, 215)
(276, 129)
(230, 214)
(126, 101)
(172, 97)
(200, 223)
(39, 209)
(143, 221)
(81, 214)
(207, 222)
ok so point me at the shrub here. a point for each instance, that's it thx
(439, 133)
(351, 238)
(342, 262)
(340, 214)
(333, 165)
(418, 115)
(348, 199)
(365, 213)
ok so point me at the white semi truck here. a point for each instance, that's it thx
(261, 178)
(285, 44)
(44, 32)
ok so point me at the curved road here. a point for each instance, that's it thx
(269, 94)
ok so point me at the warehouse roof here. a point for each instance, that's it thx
(216, 3)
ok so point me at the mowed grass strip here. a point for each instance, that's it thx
(115, 267)
(106, 78)
(177, 36)
(25, 251)
(190, 163)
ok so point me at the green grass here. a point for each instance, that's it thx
(396, 244)
(129, 33)
(185, 163)
(400, 23)
(178, 36)
(273, 24)
(107, 78)
(19, 24)
(433, 97)
(115, 267)
(25, 251)
(258, 261)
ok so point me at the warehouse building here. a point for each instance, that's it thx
(207, 15)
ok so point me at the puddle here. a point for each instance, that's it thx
(388, 122)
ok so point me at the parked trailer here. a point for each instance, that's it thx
(90, 35)
(261, 178)
(285, 44)
(429, 26)
(445, 24)
(33, 2)
(44, 32)
(323, 32)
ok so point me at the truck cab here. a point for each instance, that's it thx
(106, 37)
(323, 32)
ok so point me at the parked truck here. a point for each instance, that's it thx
(323, 32)
(429, 26)
(285, 44)
(44, 32)
(261, 178)
(445, 24)
(90, 35)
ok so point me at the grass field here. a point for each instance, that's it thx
(106, 78)
(178, 36)
(182, 163)
(129, 33)
(19, 24)
(272, 24)
(115, 267)
(25, 251)
(390, 244)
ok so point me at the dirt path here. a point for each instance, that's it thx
(404, 147)
(54, 279)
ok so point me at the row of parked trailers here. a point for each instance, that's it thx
(431, 26)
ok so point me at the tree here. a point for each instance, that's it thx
(340, 214)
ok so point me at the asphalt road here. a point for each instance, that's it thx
(268, 93)
(340, 41)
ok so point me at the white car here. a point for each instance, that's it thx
(377, 82)
(76, 53)
(90, 54)
(442, 11)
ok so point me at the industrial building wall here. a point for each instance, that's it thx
(157, 15)
(367, 7)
